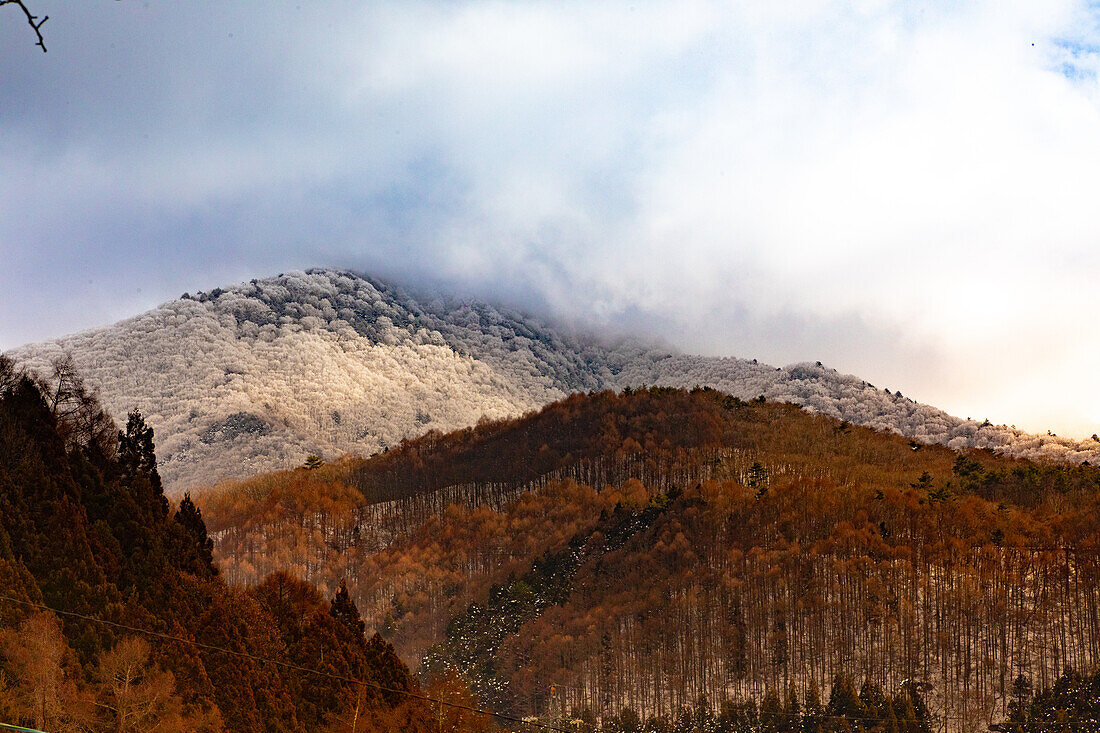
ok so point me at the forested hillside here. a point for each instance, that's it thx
(258, 376)
(637, 553)
(113, 615)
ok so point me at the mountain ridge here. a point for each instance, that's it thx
(653, 548)
(256, 376)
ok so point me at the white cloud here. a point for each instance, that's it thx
(910, 179)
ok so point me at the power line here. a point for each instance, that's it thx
(280, 663)
(5, 726)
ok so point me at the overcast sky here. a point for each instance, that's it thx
(909, 192)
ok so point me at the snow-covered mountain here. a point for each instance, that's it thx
(258, 376)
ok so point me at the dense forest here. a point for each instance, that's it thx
(637, 553)
(113, 615)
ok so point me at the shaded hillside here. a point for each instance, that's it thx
(85, 529)
(650, 548)
(257, 376)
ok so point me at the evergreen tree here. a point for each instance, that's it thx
(813, 717)
(344, 610)
(917, 718)
(136, 452)
(138, 460)
(770, 712)
(873, 700)
(779, 644)
(1072, 704)
(923, 483)
(844, 707)
(792, 712)
(629, 721)
(758, 479)
(390, 672)
(89, 531)
(196, 552)
(737, 662)
(704, 719)
(1019, 703)
(891, 725)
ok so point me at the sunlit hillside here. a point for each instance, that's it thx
(258, 376)
(651, 549)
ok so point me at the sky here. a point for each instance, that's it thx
(904, 191)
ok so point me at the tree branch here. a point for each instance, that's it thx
(31, 21)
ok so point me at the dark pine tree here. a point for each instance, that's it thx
(814, 716)
(344, 610)
(1019, 703)
(136, 453)
(137, 458)
(391, 674)
(196, 549)
(844, 707)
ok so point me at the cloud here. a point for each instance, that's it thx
(897, 189)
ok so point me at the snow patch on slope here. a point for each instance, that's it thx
(258, 376)
(845, 397)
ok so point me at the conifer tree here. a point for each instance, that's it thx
(197, 551)
(770, 712)
(792, 711)
(1019, 704)
(891, 725)
(873, 700)
(344, 610)
(758, 479)
(918, 719)
(136, 452)
(844, 706)
(138, 460)
(813, 716)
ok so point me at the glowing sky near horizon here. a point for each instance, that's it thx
(904, 191)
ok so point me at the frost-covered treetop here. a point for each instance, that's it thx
(260, 375)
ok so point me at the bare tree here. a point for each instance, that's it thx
(43, 667)
(9, 375)
(142, 697)
(32, 20)
(81, 419)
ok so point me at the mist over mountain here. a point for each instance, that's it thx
(258, 376)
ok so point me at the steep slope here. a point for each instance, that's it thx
(651, 549)
(85, 529)
(258, 376)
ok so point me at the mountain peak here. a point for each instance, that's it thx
(257, 376)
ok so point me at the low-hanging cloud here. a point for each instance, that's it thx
(903, 192)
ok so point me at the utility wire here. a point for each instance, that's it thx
(5, 726)
(280, 663)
